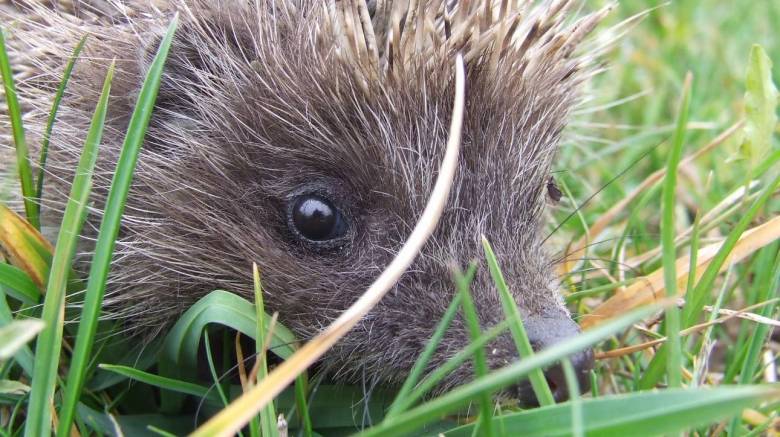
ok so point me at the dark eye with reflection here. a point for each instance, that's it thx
(315, 218)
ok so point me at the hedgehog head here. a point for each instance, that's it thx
(306, 136)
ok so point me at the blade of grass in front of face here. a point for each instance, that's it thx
(511, 312)
(460, 396)
(109, 229)
(577, 420)
(163, 382)
(55, 106)
(178, 356)
(438, 374)
(227, 309)
(594, 384)
(47, 351)
(463, 284)
(662, 412)
(302, 404)
(17, 128)
(268, 413)
(668, 231)
(213, 369)
(425, 357)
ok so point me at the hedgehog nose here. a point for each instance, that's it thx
(544, 332)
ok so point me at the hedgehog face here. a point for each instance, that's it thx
(307, 140)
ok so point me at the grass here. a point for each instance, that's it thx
(49, 345)
(109, 230)
(17, 129)
(709, 382)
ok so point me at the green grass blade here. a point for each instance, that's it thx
(109, 229)
(47, 352)
(180, 350)
(463, 284)
(434, 409)
(22, 153)
(16, 334)
(267, 414)
(694, 256)
(55, 106)
(637, 414)
(425, 357)
(522, 343)
(655, 370)
(23, 356)
(668, 231)
(577, 418)
(757, 340)
(212, 368)
(18, 284)
(430, 381)
(588, 292)
(161, 432)
(162, 382)
(302, 404)
(228, 309)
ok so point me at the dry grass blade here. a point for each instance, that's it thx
(238, 413)
(240, 363)
(730, 314)
(651, 287)
(753, 317)
(577, 250)
(261, 356)
(24, 246)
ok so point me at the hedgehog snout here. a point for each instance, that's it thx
(544, 332)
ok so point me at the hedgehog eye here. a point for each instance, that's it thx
(315, 218)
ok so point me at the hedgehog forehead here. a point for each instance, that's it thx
(365, 95)
(371, 66)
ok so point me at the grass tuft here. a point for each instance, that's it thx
(109, 230)
(49, 345)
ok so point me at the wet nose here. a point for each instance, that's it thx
(544, 332)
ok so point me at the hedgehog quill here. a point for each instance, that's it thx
(305, 136)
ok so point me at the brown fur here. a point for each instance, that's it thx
(260, 102)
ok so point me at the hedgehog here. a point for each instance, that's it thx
(305, 136)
